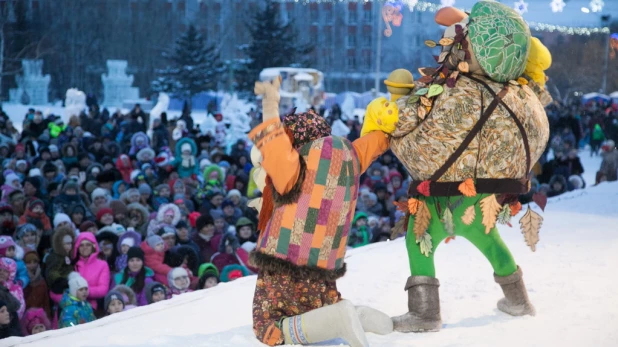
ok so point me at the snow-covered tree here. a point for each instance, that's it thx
(194, 67)
(274, 44)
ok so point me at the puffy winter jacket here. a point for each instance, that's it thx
(155, 261)
(94, 270)
(74, 312)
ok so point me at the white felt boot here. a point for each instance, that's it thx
(374, 321)
(325, 323)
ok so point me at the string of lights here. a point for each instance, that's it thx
(424, 6)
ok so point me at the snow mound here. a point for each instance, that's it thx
(571, 281)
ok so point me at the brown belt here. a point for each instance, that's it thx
(482, 185)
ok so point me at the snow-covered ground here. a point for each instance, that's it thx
(571, 280)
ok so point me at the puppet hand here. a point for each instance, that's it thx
(270, 97)
(381, 115)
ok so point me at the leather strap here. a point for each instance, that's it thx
(520, 126)
(472, 134)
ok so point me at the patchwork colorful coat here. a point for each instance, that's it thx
(314, 191)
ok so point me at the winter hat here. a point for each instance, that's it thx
(244, 221)
(104, 211)
(128, 241)
(34, 317)
(70, 184)
(154, 287)
(21, 162)
(234, 192)
(5, 243)
(25, 228)
(31, 256)
(118, 207)
(162, 159)
(182, 224)
(216, 214)
(33, 173)
(86, 225)
(193, 216)
(61, 217)
(146, 166)
(176, 273)
(306, 127)
(227, 203)
(145, 189)
(203, 221)
(154, 240)
(115, 228)
(99, 192)
(185, 147)
(208, 269)
(135, 252)
(53, 149)
(10, 178)
(36, 182)
(76, 282)
(112, 295)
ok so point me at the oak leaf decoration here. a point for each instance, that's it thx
(504, 216)
(490, 208)
(447, 221)
(424, 241)
(421, 219)
(423, 188)
(467, 188)
(463, 67)
(469, 215)
(401, 206)
(413, 205)
(422, 112)
(426, 79)
(530, 226)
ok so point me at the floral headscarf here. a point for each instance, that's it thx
(306, 127)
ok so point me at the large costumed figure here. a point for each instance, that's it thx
(309, 198)
(468, 132)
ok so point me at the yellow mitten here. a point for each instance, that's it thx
(539, 60)
(382, 115)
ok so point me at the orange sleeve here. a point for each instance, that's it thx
(369, 147)
(280, 160)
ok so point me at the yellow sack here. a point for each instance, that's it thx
(382, 115)
(539, 60)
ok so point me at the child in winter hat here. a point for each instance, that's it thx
(114, 302)
(178, 281)
(74, 304)
(105, 217)
(9, 249)
(35, 321)
(61, 219)
(156, 242)
(8, 268)
(155, 292)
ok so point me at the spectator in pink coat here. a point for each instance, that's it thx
(154, 256)
(90, 264)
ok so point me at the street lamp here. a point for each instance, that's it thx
(605, 22)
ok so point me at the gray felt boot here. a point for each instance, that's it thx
(515, 301)
(325, 323)
(423, 306)
(374, 321)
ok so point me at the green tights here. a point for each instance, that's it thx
(491, 245)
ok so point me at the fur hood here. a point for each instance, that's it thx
(137, 239)
(136, 206)
(57, 244)
(182, 142)
(140, 136)
(164, 208)
(128, 293)
(231, 239)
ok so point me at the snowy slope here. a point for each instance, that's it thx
(571, 279)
